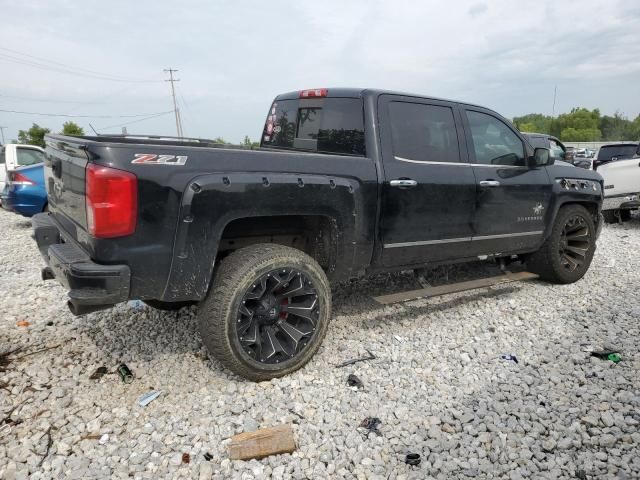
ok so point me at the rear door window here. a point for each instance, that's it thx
(557, 150)
(29, 156)
(422, 132)
(323, 125)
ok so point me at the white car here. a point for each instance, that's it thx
(13, 156)
(621, 187)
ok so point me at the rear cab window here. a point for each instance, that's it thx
(323, 125)
(28, 156)
(611, 152)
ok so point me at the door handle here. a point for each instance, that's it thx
(489, 183)
(403, 183)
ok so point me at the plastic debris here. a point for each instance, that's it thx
(412, 459)
(186, 458)
(208, 456)
(509, 357)
(125, 374)
(606, 353)
(149, 397)
(371, 424)
(355, 382)
(98, 373)
(23, 323)
(136, 304)
(104, 439)
(356, 360)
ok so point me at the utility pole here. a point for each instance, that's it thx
(173, 94)
(555, 93)
(2, 131)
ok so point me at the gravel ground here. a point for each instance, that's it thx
(438, 384)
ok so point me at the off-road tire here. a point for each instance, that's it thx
(218, 313)
(167, 306)
(547, 261)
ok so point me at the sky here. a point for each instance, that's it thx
(100, 62)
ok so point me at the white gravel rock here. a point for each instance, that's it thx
(438, 384)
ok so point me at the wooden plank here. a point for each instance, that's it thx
(261, 443)
(454, 287)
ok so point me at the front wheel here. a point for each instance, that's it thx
(267, 311)
(566, 255)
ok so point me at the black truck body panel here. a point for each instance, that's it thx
(187, 212)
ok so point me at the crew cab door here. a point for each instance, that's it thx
(512, 198)
(428, 192)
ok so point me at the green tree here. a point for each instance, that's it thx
(71, 128)
(533, 122)
(219, 140)
(33, 136)
(579, 125)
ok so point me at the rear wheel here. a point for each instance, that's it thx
(267, 311)
(566, 255)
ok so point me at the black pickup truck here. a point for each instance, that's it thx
(347, 182)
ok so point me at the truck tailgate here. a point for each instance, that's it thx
(64, 174)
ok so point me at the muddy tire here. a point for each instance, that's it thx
(267, 311)
(566, 255)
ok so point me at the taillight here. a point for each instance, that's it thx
(17, 178)
(314, 92)
(112, 201)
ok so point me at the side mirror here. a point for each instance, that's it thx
(541, 157)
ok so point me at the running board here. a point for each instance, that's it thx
(454, 287)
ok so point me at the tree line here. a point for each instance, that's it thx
(581, 125)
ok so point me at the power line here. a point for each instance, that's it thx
(84, 116)
(46, 100)
(173, 95)
(135, 121)
(62, 68)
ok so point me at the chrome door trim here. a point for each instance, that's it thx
(462, 239)
(457, 164)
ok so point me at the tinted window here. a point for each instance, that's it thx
(618, 151)
(329, 125)
(423, 132)
(29, 156)
(493, 142)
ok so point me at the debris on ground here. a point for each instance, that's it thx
(148, 397)
(291, 410)
(208, 457)
(48, 447)
(511, 357)
(125, 374)
(98, 373)
(356, 360)
(412, 459)
(186, 458)
(262, 443)
(104, 439)
(136, 304)
(607, 353)
(371, 424)
(354, 382)
(23, 323)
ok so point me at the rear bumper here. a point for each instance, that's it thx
(91, 286)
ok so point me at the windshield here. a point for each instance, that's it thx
(617, 152)
(324, 125)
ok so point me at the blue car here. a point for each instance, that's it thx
(25, 192)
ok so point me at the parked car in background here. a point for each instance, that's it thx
(557, 148)
(570, 153)
(25, 190)
(614, 152)
(13, 156)
(621, 185)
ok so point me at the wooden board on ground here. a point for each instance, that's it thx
(454, 287)
(261, 443)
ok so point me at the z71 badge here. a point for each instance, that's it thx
(152, 159)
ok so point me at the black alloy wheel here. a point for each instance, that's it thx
(278, 316)
(575, 242)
